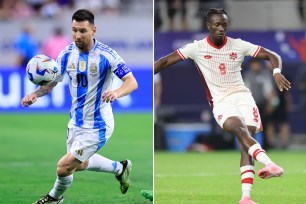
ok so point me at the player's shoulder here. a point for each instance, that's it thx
(235, 40)
(200, 42)
(103, 49)
(194, 45)
(68, 49)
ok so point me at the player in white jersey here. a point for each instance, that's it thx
(218, 59)
(89, 65)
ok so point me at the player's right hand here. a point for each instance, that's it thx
(29, 100)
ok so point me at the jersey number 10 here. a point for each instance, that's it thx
(82, 80)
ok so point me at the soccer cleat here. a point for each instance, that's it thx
(48, 199)
(246, 200)
(123, 178)
(147, 194)
(271, 170)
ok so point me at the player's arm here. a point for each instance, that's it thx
(40, 91)
(166, 61)
(276, 61)
(129, 85)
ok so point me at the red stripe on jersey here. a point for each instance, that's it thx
(180, 54)
(256, 152)
(215, 46)
(208, 94)
(257, 51)
(248, 171)
(247, 180)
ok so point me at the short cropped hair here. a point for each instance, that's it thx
(213, 11)
(84, 15)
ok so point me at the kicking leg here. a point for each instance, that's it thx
(236, 126)
(121, 169)
(101, 164)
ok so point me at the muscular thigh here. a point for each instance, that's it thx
(83, 143)
(241, 105)
(249, 110)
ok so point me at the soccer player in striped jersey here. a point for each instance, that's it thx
(90, 66)
(218, 59)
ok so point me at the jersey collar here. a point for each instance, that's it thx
(213, 45)
(95, 45)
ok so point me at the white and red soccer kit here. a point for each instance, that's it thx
(220, 70)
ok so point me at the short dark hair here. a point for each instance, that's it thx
(83, 15)
(213, 11)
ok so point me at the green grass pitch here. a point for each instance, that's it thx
(31, 145)
(214, 178)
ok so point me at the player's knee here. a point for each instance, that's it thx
(237, 127)
(64, 168)
(63, 171)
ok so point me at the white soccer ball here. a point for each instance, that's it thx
(42, 70)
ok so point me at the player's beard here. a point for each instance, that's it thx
(80, 45)
(219, 40)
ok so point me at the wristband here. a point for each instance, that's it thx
(276, 70)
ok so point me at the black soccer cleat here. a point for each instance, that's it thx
(48, 199)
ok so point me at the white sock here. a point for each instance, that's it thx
(247, 176)
(259, 154)
(60, 186)
(102, 164)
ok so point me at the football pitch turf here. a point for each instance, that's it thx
(214, 178)
(31, 145)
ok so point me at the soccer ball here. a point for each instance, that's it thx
(42, 70)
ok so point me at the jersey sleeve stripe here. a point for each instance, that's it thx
(180, 54)
(257, 51)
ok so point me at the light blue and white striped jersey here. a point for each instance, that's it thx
(90, 75)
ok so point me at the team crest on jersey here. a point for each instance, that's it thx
(233, 55)
(82, 66)
(93, 68)
(71, 67)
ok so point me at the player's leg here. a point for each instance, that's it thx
(236, 126)
(121, 169)
(65, 168)
(229, 118)
(98, 163)
(247, 171)
(250, 113)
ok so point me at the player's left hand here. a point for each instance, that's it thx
(109, 96)
(281, 82)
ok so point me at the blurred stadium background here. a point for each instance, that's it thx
(184, 123)
(33, 139)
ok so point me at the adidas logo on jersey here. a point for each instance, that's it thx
(79, 152)
(71, 67)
